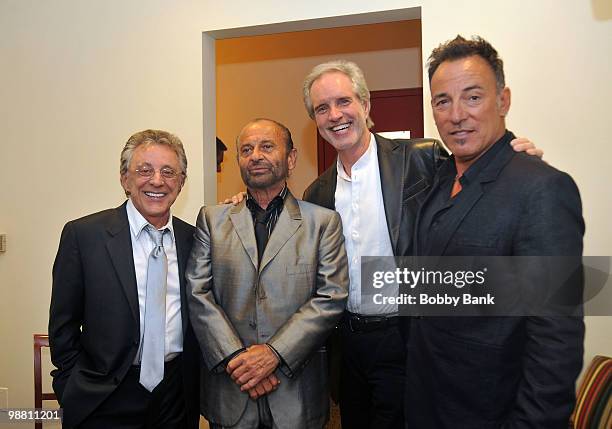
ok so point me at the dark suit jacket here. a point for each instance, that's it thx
(407, 169)
(491, 372)
(94, 317)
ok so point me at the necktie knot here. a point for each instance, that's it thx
(157, 235)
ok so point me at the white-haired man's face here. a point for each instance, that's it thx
(339, 113)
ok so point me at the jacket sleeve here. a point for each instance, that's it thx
(66, 311)
(217, 337)
(310, 326)
(552, 359)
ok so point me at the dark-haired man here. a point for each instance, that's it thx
(487, 200)
(377, 186)
(119, 330)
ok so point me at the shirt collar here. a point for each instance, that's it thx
(138, 222)
(449, 170)
(276, 201)
(368, 157)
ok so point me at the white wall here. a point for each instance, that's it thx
(78, 77)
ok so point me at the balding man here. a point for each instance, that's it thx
(268, 281)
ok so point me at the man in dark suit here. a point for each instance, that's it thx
(377, 186)
(491, 372)
(119, 330)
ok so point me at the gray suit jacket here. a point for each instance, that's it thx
(292, 301)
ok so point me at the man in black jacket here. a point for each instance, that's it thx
(486, 200)
(110, 373)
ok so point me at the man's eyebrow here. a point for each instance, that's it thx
(439, 95)
(470, 88)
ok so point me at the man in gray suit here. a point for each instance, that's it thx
(268, 281)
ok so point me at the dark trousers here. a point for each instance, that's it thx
(372, 378)
(131, 406)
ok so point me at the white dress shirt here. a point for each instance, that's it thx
(142, 244)
(359, 201)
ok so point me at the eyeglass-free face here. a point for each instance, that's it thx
(150, 190)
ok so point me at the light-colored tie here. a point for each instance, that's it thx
(152, 360)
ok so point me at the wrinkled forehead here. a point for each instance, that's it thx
(260, 131)
(155, 154)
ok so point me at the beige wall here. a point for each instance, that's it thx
(80, 77)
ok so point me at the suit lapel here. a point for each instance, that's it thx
(470, 197)
(242, 221)
(391, 166)
(463, 206)
(288, 223)
(327, 188)
(119, 247)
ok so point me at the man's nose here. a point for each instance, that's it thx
(334, 113)
(458, 113)
(157, 179)
(257, 153)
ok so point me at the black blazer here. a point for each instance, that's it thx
(94, 326)
(407, 169)
(492, 372)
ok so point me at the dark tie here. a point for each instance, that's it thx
(152, 361)
(261, 233)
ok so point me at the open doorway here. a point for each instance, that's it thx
(259, 74)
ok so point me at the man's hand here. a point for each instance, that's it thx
(267, 385)
(522, 144)
(236, 199)
(249, 368)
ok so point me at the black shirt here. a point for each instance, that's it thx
(264, 221)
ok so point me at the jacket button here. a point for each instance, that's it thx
(252, 324)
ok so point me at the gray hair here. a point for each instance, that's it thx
(351, 70)
(149, 137)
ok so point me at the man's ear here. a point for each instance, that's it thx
(182, 181)
(504, 99)
(123, 180)
(366, 107)
(291, 159)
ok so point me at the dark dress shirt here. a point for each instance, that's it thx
(264, 221)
